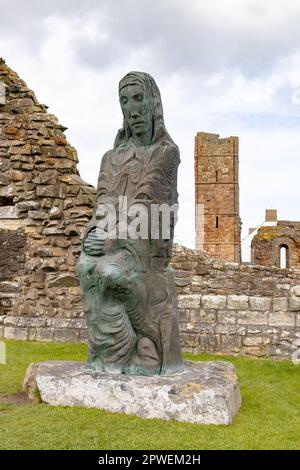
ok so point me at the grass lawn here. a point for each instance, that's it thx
(269, 417)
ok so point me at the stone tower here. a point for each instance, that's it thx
(217, 196)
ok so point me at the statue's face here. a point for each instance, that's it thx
(136, 109)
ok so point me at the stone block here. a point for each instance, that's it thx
(226, 317)
(9, 286)
(58, 322)
(280, 351)
(4, 179)
(183, 315)
(255, 330)
(31, 334)
(260, 303)
(28, 205)
(63, 280)
(83, 336)
(189, 340)
(74, 290)
(280, 304)
(189, 301)
(206, 393)
(238, 302)
(32, 322)
(282, 319)
(16, 175)
(226, 329)
(295, 291)
(231, 343)
(77, 323)
(182, 282)
(50, 191)
(11, 332)
(66, 335)
(209, 342)
(213, 301)
(37, 215)
(257, 351)
(294, 304)
(253, 340)
(8, 212)
(44, 334)
(202, 315)
(11, 320)
(251, 317)
(6, 302)
(7, 191)
(187, 326)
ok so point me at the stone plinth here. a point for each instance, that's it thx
(207, 393)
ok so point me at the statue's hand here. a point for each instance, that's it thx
(93, 245)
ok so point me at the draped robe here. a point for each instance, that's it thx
(129, 290)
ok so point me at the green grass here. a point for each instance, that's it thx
(269, 417)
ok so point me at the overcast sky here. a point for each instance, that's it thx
(230, 67)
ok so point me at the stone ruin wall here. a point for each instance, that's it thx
(223, 307)
(266, 244)
(226, 307)
(44, 207)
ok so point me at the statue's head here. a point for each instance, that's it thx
(142, 110)
(137, 104)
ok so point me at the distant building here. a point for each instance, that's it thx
(270, 220)
(277, 245)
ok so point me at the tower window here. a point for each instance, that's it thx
(217, 176)
(217, 222)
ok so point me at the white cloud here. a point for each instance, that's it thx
(230, 67)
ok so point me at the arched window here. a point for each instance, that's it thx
(283, 256)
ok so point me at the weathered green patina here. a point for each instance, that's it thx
(127, 286)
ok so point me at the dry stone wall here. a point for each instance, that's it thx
(223, 308)
(44, 207)
(234, 308)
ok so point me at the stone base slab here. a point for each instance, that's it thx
(206, 393)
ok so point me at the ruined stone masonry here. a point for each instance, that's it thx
(269, 242)
(234, 308)
(223, 307)
(44, 206)
(217, 192)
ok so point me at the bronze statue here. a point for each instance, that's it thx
(127, 286)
